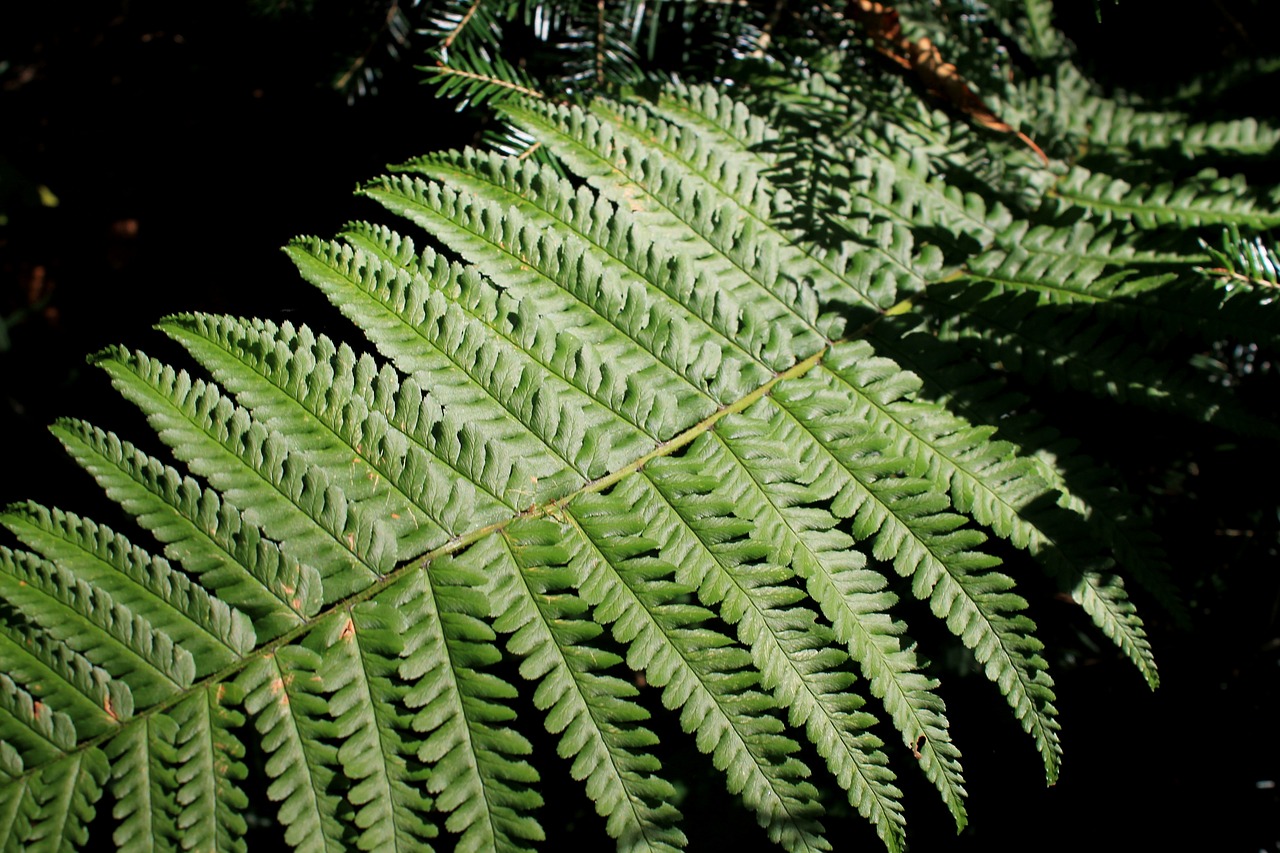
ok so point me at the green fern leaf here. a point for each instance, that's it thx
(661, 427)
(1206, 200)
(533, 578)
(209, 538)
(476, 775)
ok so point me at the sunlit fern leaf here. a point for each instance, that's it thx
(627, 434)
(700, 670)
(211, 540)
(142, 759)
(209, 768)
(712, 496)
(60, 802)
(283, 695)
(533, 578)
(377, 752)
(792, 482)
(477, 775)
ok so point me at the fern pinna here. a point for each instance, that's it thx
(633, 432)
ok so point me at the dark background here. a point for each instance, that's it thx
(186, 142)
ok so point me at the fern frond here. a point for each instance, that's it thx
(909, 525)
(986, 480)
(294, 382)
(1068, 107)
(109, 634)
(711, 545)
(359, 672)
(533, 575)
(1241, 261)
(283, 697)
(142, 758)
(253, 468)
(477, 775)
(489, 357)
(61, 677)
(202, 628)
(208, 767)
(209, 538)
(1205, 200)
(36, 733)
(772, 447)
(59, 804)
(654, 428)
(952, 377)
(701, 671)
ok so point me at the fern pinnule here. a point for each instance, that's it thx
(951, 375)
(204, 633)
(55, 808)
(714, 497)
(253, 468)
(109, 634)
(359, 672)
(283, 694)
(92, 700)
(792, 483)
(209, 766)
(142, 759)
